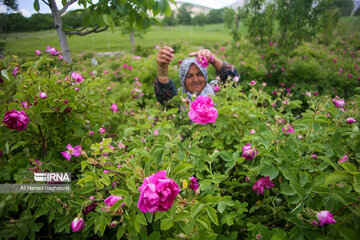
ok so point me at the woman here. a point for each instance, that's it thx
(193, 77)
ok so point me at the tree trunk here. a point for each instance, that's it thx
(132, 40)
(61, 33)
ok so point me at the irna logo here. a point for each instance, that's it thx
(52, 177)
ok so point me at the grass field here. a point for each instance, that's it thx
(27, 43)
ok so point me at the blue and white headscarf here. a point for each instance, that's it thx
(184, 68)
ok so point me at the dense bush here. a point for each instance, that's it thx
(265, 169)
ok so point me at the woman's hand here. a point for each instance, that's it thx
(163, 59)
(217, 63)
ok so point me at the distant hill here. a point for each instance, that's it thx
(194, 8)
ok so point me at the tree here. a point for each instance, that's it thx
(345, 6)
(183, 17)
(100, 16)
(357, 12)
(232, 20)
(200, 19)
(170, 20)
(10, 5)
(216, 16)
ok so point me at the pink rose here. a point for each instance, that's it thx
(37, 52)
(261, 184)
(111, 200)
(339, 103)
(114, 108)
(344, 159)
(77, 224)
(325, 217)
(77, 77)
(102, 130)
(76, 151)
(15, 71)
(202, 110)
(253, 82)
(248, 152)
(216, 88)
(236, 79)
(350, 120)
(16, 120)
(43, 95)
(194, 185)
(157, 193)
(52, 50)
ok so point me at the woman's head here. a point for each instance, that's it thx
(193, 77)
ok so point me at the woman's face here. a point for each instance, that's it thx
(194, 80)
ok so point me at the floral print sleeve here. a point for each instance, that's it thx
(164, 92)
(226, 71)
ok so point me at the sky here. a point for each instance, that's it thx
(26, 6)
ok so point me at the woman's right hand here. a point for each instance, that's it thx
(163, 58)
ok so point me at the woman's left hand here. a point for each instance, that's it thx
(203, 52)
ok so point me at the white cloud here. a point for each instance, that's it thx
(25, 12)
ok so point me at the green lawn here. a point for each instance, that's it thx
(27, 43)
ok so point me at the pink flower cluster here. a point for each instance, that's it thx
(157, 193)
(52, 50)
(16, 120)
(194, 185)
(202, 110)
(114, 108)
(325, 217)
(344, 159)
(77, 77)
(76, 151)
(261, 184)
(203, 62)
(288, 129)
(350, 120)
(339, 103)
(248, 152)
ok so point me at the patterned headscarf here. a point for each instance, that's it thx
(184, 68)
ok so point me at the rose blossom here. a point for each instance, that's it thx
(16, 120)
(325, 217)
(344, 159)
(194, 185)
(102, 130)
(43, 95)
(37, 52)
(264, 182)
(236, 79)
(114, 108)
(77, 224)
(111, 200)
(216, 88)
(339, 103)
(202, 110)
(77, 77)
(156, 132)
(76, 151)
(252, 131)
(157, 193)
(15, 71)
(248, 152)
(350, 120)
(52, 50)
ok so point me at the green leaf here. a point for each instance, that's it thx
(183, 167)
(36, 5)
(212, 214)
(298, 189)
(114, 208)
(154, 236)
(286, 189)
(140, 218)
(166, 223)
(327, 160)
(108, 19)
(127, 131)
(196, 209)
(120, 231)
(336, 177)
(5, 74)
(226, 156)
(163, 5)
(336, 138)
(269, 171)
(119, 192)
(41, 211)
(348, 167)
(221, 206)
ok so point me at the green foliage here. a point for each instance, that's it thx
(225, 206)
(345, 6)
(183, 16)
